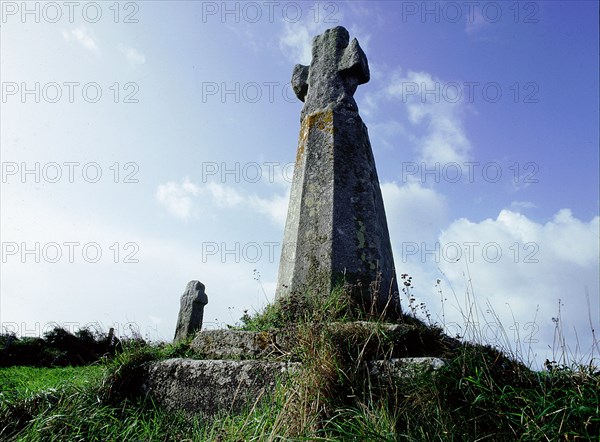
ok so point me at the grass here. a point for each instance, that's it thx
(79, 414)
(481, 393)
(310, 307)
(102, 403)
(27, 381)
(476, 396)
(98, 402)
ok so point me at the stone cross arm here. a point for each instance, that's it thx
(338, 66)
(300, 81)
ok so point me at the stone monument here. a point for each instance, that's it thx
(191, 310)
(336, 226)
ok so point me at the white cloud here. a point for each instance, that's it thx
(275, 207)
(414, 213)
(369, 105)
(438, 114)
(363, 37)
(223, 195)
(518, 266)
(572, 240)
(386, 134)
(180, 200)
(83, 36)
(510, 266)
(177, 198)
(134, 57)
(296, 41)
(141, 295)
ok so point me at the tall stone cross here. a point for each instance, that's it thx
(336, 227)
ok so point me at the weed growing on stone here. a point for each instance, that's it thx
(482, 392)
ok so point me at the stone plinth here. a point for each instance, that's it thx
(207, 387)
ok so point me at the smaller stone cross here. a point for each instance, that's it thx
(191, 311)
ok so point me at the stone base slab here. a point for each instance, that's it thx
(206, 387)
(276, 344)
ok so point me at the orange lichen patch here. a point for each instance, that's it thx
(322, 121)
(301, 145)
(299, 152)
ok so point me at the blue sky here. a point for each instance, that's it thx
(483, 123)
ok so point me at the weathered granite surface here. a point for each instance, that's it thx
(206, 387)
(280, 344)
(404, 367)
(234, 344)
(336, 225)
(337, 67)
